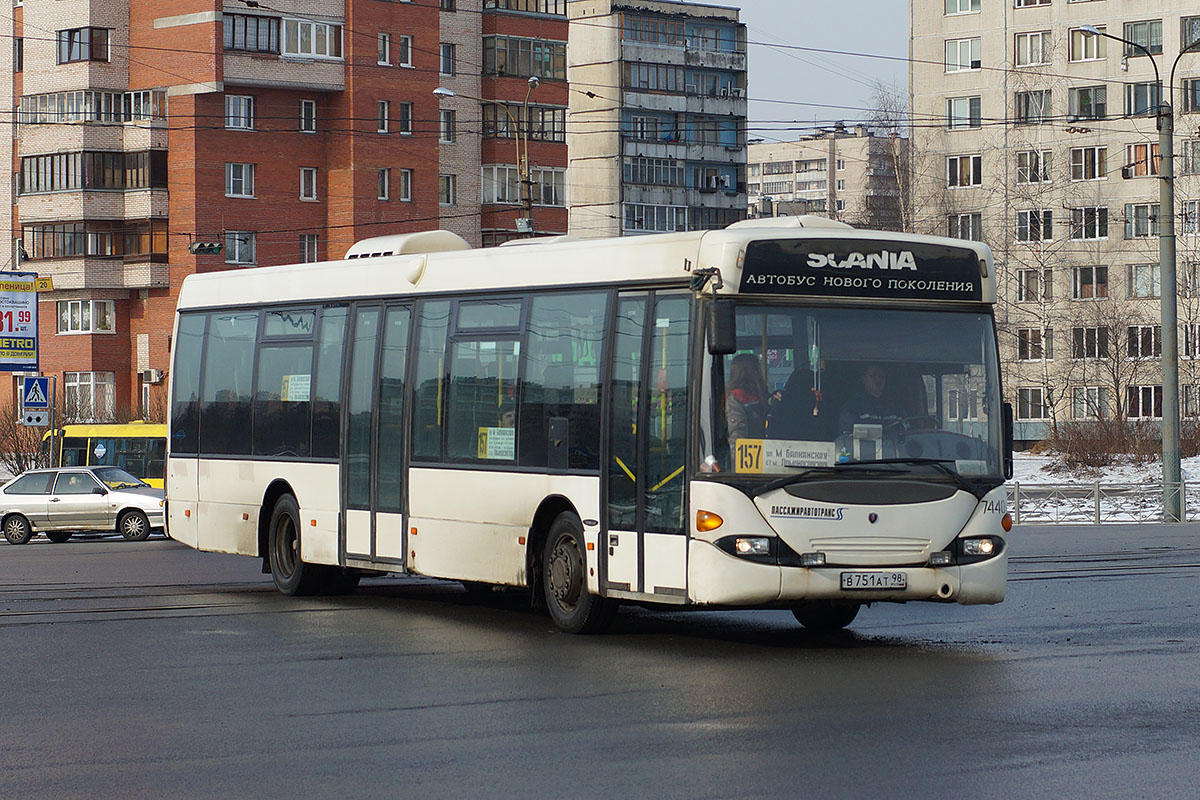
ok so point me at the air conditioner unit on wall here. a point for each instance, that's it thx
(152, 376)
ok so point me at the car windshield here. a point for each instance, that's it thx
(117, 478)
(814, 389)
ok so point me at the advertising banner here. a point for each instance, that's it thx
(18, 322)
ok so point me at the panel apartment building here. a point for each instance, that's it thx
(847, 174)
(1039, 137)
(282, 131)
(656, 131)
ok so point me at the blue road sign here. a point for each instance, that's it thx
(36, 393)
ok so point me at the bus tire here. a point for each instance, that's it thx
(291, 575)
(17, 530)
(564, 580)
(825, 616)
(134, 526)
(58, 537)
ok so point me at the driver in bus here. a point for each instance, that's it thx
(874, 403)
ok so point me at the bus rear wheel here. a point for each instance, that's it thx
(825, 616)
(291, 575)
(564, 580)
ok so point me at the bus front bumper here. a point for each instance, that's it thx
(717, 578)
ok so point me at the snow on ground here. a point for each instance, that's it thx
(1030, 469)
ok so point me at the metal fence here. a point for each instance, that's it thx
(1095, 503)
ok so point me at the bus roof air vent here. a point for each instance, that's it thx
(401, 244)
(802, 221)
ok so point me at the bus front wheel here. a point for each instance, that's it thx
(825, 615)
(564, 580)
(291, 575)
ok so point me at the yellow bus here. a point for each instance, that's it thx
(139, 448)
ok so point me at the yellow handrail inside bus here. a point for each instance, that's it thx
(625, 469)
(666, 480)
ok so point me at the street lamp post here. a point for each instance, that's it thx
(525, 223)
(1169, 288)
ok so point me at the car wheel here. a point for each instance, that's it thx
(134, 526)
(17, 530)
(291, 575)
(58, 537)
(825, 616)
(564, 581)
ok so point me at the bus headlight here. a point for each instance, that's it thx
(752, 546)
(978, 547)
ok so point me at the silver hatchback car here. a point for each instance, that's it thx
(59, 502)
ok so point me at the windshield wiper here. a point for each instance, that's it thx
(937, 463)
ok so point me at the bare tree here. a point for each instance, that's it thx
(20, 444)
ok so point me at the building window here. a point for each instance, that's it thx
(965, 226)
(1088, 283)
(93, 169)
(383, 108)
(542, 123)
(1083, 46)
(1189, 32)
(558, 7)
(1143, 402)
(1033, 166)
(1191, 341)
(384, 48)
(82, 44)
(1090, 222)
(1035, 344)
(1141, 219)
(840, 164)
(1032, 108)
(1189, 218)
(1147, 33)
(1089, 402)
(18, 54)
(519, 57)
(239, 112)
(447, 189)
(239, 247)
(1035, 226)
(250, 33)
(89, 395)
(1143, 341)
(1188, 162)
(239, 180)
(1032, 49)
(1089, 343)
(1030, 3)
(502, 184)
(651, 30)
(310, 39)
(964, 171)
(962, 55)
(385, 184)
(308, 248)
(1141, 160)
(654, 171)
(86, 316)
(1089, 163)
(404, 51)
(308, 183)
(840, 185)
(404, 118)
(92, 106)
(1087, 102)
(447, 60)
(963, 112)
(308, 116)
(962, 6)
(446, 120)
(1142, 99)
(1030, 404)
(405, 188)
(1142, 280)
(446, 5)
(645, 217)
(1035, 285)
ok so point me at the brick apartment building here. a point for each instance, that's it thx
(283, 130)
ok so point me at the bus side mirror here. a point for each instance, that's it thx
(722, 327)
(1008, 441)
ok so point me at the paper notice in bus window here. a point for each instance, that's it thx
(754, 456)
(295, 388)
(498, 443)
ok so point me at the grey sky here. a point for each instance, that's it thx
(860, 26)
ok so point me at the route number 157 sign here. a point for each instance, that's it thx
(18, 322)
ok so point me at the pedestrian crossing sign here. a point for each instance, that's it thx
(36, 393)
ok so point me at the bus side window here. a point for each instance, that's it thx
(432, 321)
(74, 452)
(185, 384)
(327, 383)
(225, 391)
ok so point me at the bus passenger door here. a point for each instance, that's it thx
(644, 544)
(373, 450)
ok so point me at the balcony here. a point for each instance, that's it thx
(269, 70)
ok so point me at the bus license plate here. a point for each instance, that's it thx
(874, 580)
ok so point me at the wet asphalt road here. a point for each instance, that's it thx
(152, 671)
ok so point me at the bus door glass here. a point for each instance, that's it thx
(357, 461)
(390, 489)
(645, 541)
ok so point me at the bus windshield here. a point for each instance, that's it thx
(815, 388)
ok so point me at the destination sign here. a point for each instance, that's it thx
(862, 268)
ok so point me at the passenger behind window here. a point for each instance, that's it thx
(745, 399)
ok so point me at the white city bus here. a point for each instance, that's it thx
(554, 415)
